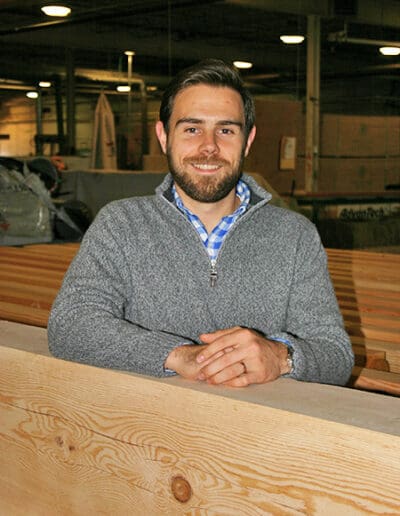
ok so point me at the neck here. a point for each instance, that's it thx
(210, 213)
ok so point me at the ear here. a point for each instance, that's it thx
(250, 140)
(162, 136)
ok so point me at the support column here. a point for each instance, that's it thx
(143, 101)
(313, 104)
(70, 96)
(39, 125)
(59, 111)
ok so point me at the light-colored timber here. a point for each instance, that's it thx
(76, 440)
(367, 286)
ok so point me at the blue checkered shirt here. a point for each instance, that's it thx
(214, 240)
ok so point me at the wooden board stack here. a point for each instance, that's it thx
(367, 286)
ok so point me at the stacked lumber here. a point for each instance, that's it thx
(30, 278)
(367, 286)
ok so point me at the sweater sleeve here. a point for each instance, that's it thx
(322, 350)
(87, 321)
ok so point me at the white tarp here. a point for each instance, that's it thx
(104, 147)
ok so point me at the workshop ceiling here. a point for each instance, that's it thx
(167, 35)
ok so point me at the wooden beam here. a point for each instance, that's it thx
(76, 439)
(375, 380)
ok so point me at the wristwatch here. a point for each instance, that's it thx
(289, 359)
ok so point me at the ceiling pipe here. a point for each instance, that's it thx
(370, 12)
(10, 84)
(106, 76)
(342, 37)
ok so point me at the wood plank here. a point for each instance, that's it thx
(27, 315)
(82, 440)
(374, 380)
(372, 306)
(366, 350)
(372, 332)
(391, 322)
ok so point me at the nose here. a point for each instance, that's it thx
(208, 145)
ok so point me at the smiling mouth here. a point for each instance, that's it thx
(206, 167)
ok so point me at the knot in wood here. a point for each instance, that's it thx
(181, 489)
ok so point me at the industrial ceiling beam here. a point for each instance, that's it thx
(117, 10)
(343, 37)
(318, 7)
(370, 12)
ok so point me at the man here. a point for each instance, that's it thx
(205, 279)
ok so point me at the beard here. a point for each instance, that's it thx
(206, 188)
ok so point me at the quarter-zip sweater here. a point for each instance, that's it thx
(140, 286)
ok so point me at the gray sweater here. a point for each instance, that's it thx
(140, 286)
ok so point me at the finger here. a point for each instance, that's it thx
(227, 342)
(216, 355)
(240, 381)
(213, 366)
(207, 338)
(227, 374)
(227, 360)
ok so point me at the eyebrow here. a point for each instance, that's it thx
(198, 121)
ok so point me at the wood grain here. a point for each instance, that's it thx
(81, 440)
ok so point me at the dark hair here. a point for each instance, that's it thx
(213, 72)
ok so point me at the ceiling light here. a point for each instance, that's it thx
(292, 39)
(45, 84)
(242, 64)
(56, 10)
(390, 51)
(129, 53)
(123, 88)
(32, 94)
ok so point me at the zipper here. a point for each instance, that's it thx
(213, 267)
(213, 273)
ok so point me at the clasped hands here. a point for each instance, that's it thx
(236, 357)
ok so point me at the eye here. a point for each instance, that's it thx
(191, 130)
(226, 130)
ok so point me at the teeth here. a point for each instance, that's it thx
(204, 166)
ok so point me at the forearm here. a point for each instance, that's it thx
(99, 338)
(314, 326)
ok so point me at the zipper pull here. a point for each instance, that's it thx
(213, 274)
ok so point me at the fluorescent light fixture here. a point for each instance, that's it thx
(293, 39)
(56, 10)
(45, 84)
(129, 53)
(390, 51)
(124, 88)
(244, 65)
(32, 94)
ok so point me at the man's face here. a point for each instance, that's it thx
(205, 144)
